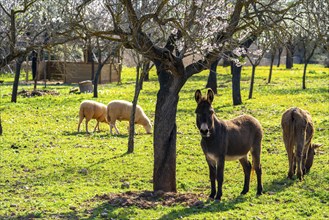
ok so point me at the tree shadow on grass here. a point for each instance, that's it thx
(101, 134)
(121, 206)
(40, 215)
(278, 185)
(208, 207)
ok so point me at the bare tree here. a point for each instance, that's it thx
(29, 25)
(312, 30)
(165, 32)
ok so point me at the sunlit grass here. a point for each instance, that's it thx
(48, 170)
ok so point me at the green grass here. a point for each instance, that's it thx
(49, 171)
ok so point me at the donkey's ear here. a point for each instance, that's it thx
(198, 95)
(210, 96)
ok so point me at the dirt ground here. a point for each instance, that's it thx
(32, 93)
(148, 199)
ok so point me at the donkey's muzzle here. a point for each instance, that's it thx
(204, 130)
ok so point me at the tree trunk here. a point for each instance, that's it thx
(165, 130)
(92, 69)
(0, 126)
(96, 79)
(99, 69)
(98, 72)
(289, 57)
(252, 81)
(212, 78)
(236, 91)
(226, 62)
(19, 62)
(45, 72)
(146, 70)
(138, 87)
(280, 50)
(307, 61)
(304, 75)
(271, 68)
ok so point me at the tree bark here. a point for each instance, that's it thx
(165, 130)
(99, 69)
(146, 69)
(98, 72)
(236, 77)
(0, 126)
(280, 50)
(138, 87)
(271, 67)
(307, 60)
(251, 88)
(289, 57)
(212, 78)
(304, 75)
(19, 62)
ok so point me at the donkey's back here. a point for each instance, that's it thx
(298, 130)
(244, 134)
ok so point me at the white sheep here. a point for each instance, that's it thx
(92, 110)
(121, 110)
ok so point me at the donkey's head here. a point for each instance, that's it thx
(204, 113)
(310, 156)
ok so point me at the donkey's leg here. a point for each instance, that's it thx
(220, 176)
(304, 157)
(212, 176)
(290, 152)
(255, 153)
(299, 158)
(247, 170)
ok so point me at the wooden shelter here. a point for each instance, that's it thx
(75, 72)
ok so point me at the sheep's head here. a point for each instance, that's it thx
(148, 127)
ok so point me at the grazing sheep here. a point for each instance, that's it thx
(92, 110)
(298, 130)
(121, 110)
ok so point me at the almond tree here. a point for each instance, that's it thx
(31, 25)
(167, 31)
(312, 30)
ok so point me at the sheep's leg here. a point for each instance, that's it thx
(116, 129)
(87, 126)
(112, 125)
(97, 126)
(80, 121)
(111, 128)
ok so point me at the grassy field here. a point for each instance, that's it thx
(50, 171)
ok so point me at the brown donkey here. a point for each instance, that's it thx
(228, 140)
(298, 130)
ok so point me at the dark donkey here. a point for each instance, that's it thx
(228, 140)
